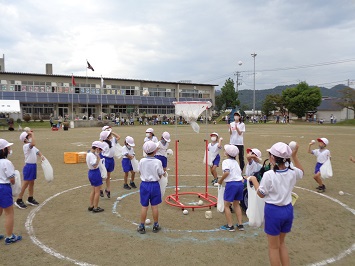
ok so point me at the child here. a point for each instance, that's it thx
(232, 176)
(276, 187)
(236, 131)
(149, 135)
(322, 155)
(128, 154)
(110, 138)
(151, 170)
(253, 158)
(163, 146)
(29, 170)
(94, 175)
(213, 151)
(7, 177)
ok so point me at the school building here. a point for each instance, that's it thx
(43, 94)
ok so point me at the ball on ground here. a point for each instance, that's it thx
(292, 145)
(147, 221)
(119, 198)
(341, 193)
(185, 212)
(200, 202)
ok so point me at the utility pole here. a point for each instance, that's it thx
(254, 55)
(238, 74)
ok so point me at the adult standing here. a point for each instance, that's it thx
(236, 131)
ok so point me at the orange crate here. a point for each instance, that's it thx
(70, 157)
(82, 157)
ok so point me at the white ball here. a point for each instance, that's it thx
(216, 184)
(185, 212)
(313, 141)
(292, 145)
(119, 198)
(341, 193)
(200, 202)
(240, 63)
(145, 93)
(147, 221)
(177, 189)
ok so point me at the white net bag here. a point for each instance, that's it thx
(190, 111)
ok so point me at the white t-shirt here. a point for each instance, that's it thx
(277, 186)
(126, 151)
(235, 138)
(162, 149)
(252, 168)
(30, 153)
(154, 139)
(150, 169)
(7, 171)
(232, 166)
(109, 152)
(322, 155)
(91, 160)
(213, 150)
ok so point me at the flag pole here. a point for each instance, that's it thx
(87, 104)
(72, 97)
(102, 85)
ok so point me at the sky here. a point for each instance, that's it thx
(202, 41)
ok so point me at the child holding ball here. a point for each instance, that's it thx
(163, 146)
(151, 170)
(213, 152)
(322, 155)
(128, 154)
(253, 158)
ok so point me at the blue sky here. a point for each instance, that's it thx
(197, 40)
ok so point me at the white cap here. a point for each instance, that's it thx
(130, 141)
(23, 136)
(231, 150)
(324, 140)
(281, 150)
(166, 136)
(104, 134)
(98, 144)
(150, 146)
(149, 130)
(214, 133)
(4, 143)
(255, 151)
(107, 128)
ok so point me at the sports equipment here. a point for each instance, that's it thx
(240, 63)
(313, 141)
(147, 221)
(292, 145)
(119, 198)
(200, 202)
(341, 193)
(145, 92)
(185, 212)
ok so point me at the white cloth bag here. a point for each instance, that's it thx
(326, 170)
(163, 182)
(220, 200)
(118, 151)
(135, 164)
(255, 211)
(47, 170)
(210, 159)
(16, 188)
(102, 168)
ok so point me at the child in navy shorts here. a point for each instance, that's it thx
(128, 154)
(94, 175)
(275, 188)
(29, 170)
(163, 146)
(151, 170)
(232, 176)
(7, 177)
(213, 152)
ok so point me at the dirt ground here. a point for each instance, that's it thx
(62, 232)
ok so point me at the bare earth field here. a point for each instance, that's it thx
(62, 232)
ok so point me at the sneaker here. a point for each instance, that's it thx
(321, 189)
(101, 193)
(141, 229)
(228, 228)
(108, 193)
(132, 185)
(20, 204)
(156, 228)
(126, 186)
(90, 209)
(214, 181)
(12, 239)
(98, 209)
(231, 208)
(32, 202)
(240, 227)
(1, 237)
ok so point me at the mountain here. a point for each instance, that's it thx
(246, 96)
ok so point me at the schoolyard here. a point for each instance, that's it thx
(62, 232)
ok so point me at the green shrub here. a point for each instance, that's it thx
(26, 117)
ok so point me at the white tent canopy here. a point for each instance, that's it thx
(10, 106)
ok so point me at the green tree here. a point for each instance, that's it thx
(219, 103)
(270, 104)
(228, 95)
(347, 99)
(301, 99)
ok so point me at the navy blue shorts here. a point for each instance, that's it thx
(126, 165)
(109, 163)
(95, 177)
(150, 192)
(30, 171)
(317, 168)
(163, 159)
(233, 191)
(278, 219)
(5, 196)
(216, 160)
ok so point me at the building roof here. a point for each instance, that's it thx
(330, 104)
